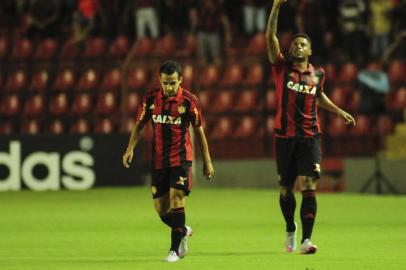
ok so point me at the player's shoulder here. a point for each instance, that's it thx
(188, 95)
(151, 92)
(319, 69)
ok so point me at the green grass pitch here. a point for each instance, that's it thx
(233, 229)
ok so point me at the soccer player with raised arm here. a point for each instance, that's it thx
(171, 110)
(299, 93)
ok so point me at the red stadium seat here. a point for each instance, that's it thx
(119, 47)
(331, 73)
(10, 105)
(355, 101)
(247, 101)
(65, 80)
(104, 126)
(144, 47)
(205, 99)
(336, 127)
(271, 100)
(188, 47)
(22, 49)
(137, 78)
(106, 103)
(187, 76)
(397, 100)
(3, 47)
(59, 104)
(89, 80)
(256, 45)
(165, 46)
(255, 76)
(34, 105)
(39, 81)
(129, 125)
(338, 97)
(222, 129)
(95, 47)
(32, 127)
(82, 104)
(56, 127)
(397, 72)
(232, 76)
(16, 81)
(270, 125)
(133, 101)
(111, 80)
(70, 50)
(223, 101)
(210, 76)
(80, 126)
(46, 49)
(362, 127)
(385, 125)
(246, 128)
(348, 73)
(6, 128)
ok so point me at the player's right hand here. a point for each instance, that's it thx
(208, 170)
(128, 157)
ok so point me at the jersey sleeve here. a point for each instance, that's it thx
(278, 66)
(143, 112)
(195, 113)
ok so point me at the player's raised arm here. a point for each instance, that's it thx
(208, 169)
(325, 103)
(135, 136)
(272, 40)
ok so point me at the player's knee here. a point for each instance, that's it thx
(307, 183)
(286, 191)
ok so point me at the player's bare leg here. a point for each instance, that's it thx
(308, 212)
(163, 208)
(287, 203)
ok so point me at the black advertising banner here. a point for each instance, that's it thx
(74, 162)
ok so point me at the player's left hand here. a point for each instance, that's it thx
(208, 170)
(349, 120)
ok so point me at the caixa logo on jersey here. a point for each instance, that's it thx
(46, 170)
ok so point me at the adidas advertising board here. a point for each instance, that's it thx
(72, 162)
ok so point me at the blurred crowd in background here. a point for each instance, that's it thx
(81, 66)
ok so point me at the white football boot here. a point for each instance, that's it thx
(183, 248)
(307, 247)
(291, 243)
(172, 256)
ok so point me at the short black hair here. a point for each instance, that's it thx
(169, 67)
(303, 35)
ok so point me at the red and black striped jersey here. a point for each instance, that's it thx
(296, 97)
(171, 118)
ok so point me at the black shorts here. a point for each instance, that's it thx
(297, 156)
(174, 177)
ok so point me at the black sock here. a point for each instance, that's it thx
(167, 219)
(288, 207)
(178, 227)
(308, 212)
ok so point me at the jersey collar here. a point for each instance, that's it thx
(177, 98)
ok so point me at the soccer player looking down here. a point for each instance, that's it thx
(172, 110)
(299, 92)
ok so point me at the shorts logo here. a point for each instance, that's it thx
(181, 181)
(154, 190)
(181, 109)
(317, 167)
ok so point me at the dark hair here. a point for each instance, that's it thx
(170, 67)
(303, 36)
